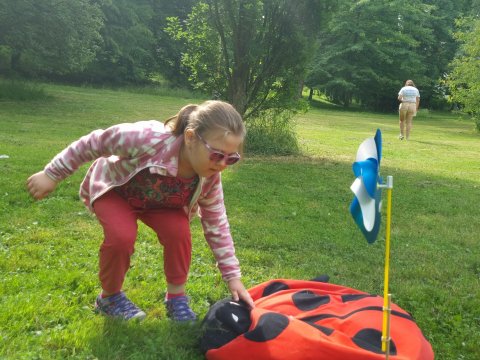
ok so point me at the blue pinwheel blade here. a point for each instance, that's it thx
(368, 170)
(378, 143)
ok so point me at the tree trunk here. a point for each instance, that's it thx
(300, 89)
(238, 94)
(310, 94)
(241, 66)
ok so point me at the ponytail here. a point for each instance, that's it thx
(180, 121)
(209, 116)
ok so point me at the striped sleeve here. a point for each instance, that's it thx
(124, 140)
(217, 230)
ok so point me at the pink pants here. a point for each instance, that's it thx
(119, 221)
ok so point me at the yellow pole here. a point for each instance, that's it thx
(387, 352)
(386, 295)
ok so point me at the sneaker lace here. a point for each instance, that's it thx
(179, 310)
(121, 305)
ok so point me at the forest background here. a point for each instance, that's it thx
(257, 54)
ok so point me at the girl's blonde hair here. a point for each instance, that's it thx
(209, 116)
(409, 83)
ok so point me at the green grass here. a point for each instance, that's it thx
(289, 218)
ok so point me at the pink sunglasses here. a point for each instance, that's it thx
(218, 155)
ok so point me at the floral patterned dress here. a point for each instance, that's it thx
(152, 191)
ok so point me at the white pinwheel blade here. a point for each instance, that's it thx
(367, 204)
(367, 150)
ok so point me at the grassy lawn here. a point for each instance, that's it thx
(289, 218)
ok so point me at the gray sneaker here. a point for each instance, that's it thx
(118, 306)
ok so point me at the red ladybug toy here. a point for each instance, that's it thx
(302, 320)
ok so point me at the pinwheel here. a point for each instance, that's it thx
(366, 204)
(366, 211)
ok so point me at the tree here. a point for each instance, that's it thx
(168, 52)
(464, 80)
(49, 36)
(441, 51)
(252, 53)
(369, 49)
(127, 50)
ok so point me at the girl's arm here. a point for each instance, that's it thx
(40, 185)
(124, 140)
(238, 291)
(217, 233)
(216, 228)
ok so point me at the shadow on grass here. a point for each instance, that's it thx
(149, 339)
(318, 104)
(431, 143)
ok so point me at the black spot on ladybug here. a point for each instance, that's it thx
(354, 297)
(307, 300)
(269, 326)
(319, 317)
(371, 340)
(322, 278)
(327, 331)
(274, 287)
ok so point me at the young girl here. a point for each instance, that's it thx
(161, 174)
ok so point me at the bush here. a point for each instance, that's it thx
(423, 114)
(22, 91)
(477, 123)
(272, 133)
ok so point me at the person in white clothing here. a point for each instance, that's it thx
(409, 98)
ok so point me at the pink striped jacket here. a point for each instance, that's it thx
(123, 150)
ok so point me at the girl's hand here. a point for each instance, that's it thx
(240, 293)
(40, 185)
